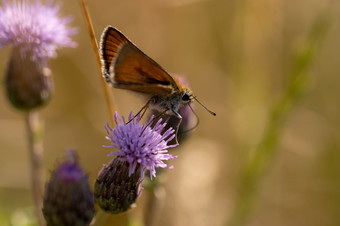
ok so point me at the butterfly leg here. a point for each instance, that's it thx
(143, 109)
(176, 127)
(155, 119)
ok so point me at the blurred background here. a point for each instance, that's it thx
(239, 57)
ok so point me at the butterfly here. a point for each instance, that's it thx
(127, 67)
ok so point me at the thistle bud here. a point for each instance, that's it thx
(68, 199)
(28, 80)
(35, 31)
(115, 190)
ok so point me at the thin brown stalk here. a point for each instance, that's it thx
(106, 88)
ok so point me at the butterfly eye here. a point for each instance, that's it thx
(186, 97)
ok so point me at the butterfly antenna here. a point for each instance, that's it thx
(211, 112)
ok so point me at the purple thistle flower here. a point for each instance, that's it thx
(140, 148)
(68, 199)
(34, 31)
(141, 145)
(34, 27)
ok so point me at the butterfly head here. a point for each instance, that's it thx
(185, 93)
(187, 97)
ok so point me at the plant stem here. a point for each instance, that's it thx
(35, 142)
(101, 218)
(259, 163)
(151, 204)
(153, 199)
(106, 88)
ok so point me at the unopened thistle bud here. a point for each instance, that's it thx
(140, 148)
(68, 199)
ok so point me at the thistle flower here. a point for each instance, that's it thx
(34, 31)
(140, 144)
(68, 199)
(34, 27)
(140, 148)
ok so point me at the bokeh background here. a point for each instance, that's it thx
(242, 167)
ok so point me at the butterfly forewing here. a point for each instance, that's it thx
(111, 41)
(130, 68)
(133, 70)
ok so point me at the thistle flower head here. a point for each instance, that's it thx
(140, 145)
(140, 148)
(68, 199)
(34, 27)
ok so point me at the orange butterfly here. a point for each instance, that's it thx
(127, 67)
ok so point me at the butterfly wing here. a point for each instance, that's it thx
(131, 68)
(110, 42)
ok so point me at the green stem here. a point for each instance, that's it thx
(151, 203)
(259, 162)
(154, 197)
(35, 142)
